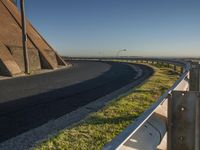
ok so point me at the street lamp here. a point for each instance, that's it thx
(24, 37)
(119, 51)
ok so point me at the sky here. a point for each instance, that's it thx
(103, 27)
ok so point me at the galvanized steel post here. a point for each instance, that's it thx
(184, 114)
(195, 86)
(174, 67)
(182, 70)
(182, 123)
(194, 77)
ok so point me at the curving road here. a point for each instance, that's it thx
(29, 102)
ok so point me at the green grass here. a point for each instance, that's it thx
(101, 127)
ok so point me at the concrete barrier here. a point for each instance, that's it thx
(41, 54)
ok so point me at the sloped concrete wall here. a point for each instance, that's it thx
(41, 54)
(18, 55)
(8, 65)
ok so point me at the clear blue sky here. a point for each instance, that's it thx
(101, 27)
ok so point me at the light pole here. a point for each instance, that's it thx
(24, 37)
(119, 51)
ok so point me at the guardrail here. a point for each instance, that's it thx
(149, 131)
(175, 62)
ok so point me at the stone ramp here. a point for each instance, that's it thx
(41, 54)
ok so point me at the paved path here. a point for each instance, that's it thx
(29, 102)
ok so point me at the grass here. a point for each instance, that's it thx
(101, 127)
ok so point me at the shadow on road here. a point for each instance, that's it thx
(23, 114)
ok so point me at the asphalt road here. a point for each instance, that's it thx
(29, 102)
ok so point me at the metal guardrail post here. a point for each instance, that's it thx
(194, 77)
(183, 115)
(182, 70)
(174, 67)
(169, 122)
(182, 121)
(195, 86)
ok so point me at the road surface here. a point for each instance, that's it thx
(29, 102)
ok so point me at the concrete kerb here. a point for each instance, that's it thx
(40, 72)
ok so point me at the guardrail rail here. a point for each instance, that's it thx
(173, 121)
